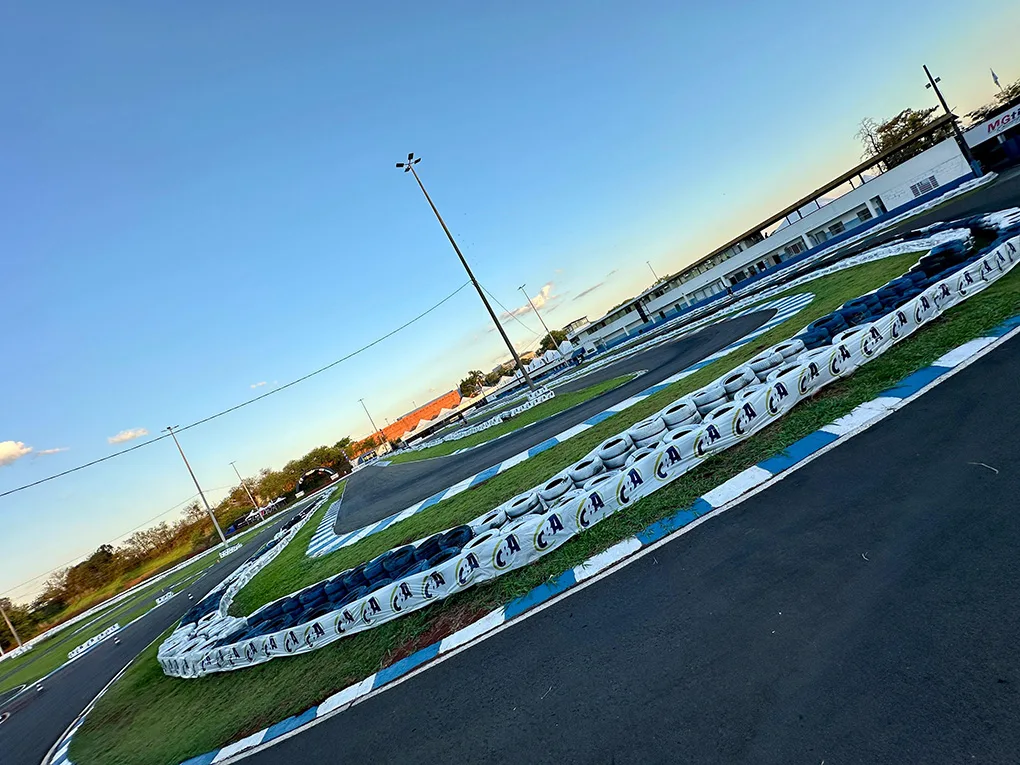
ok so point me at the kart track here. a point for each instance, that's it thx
(376, 492)
(38, 718)
(856, 611)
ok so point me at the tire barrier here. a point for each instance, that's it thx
(93, 641)
(539, 396)
(543, 519)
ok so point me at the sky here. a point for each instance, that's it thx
(200, 204)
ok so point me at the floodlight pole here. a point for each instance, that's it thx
(219, 531)
(10, 626)
(649, 264)
(374, 427)
(957, 134)
(409, 167)
(246, 489)
(544, 326)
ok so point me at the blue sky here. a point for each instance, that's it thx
(198, 200)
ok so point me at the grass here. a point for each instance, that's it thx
(149, 719)
(560, 403)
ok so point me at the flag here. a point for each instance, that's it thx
(995, 77)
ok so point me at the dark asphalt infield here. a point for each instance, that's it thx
(863, 610)
(377, 492)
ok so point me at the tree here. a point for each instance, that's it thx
(493, 377)
(878, 137)
(552, 340)
(472, 384)
(1003, 98)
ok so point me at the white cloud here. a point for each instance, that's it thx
(544, 297)
(128, 435)
(58, 450)
(12, 451)
(258, 385)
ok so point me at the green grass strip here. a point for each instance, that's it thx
(560, 403)
(150, 719)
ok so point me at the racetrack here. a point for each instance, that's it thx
(375, 492)
(38, 719)
(861, 610)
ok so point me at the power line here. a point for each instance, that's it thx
(242, 404)
(511, 313)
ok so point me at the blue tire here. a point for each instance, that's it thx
(401, 560)
(456, 537)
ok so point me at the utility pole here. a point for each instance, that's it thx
(376, 429)
(246, 489)
(649, 263)
(957, 134)
(219, 531)
(10, 626)
(546, 328)
(409, 168)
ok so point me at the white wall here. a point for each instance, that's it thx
(943, 161)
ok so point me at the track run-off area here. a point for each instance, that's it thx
(851, 612)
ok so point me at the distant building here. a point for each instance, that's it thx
(408, 422)
(575, 324)
(809, 224)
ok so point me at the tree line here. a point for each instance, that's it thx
(113, 568)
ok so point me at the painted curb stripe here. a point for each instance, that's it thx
(881, 406)
(326, 540)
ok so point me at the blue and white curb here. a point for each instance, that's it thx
(326, 540)
(728, 494)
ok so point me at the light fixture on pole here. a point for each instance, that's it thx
(649, 264)
(546, 328)
(219, 531)
(246, 489)
(957, 134)
(382, 436)
(408, 167)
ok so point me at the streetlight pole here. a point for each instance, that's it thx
(219, 531)
(409, 168)
(376, 429)
(544, 326)
(10, 626)
(649, 264)
(246, 489)
(957, 134)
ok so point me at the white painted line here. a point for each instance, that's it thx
(605, 559)
(472, 631)
(239, 746)
(571, 432)
(964, 352)
(739, 484)
(347, 696)
(858, 417)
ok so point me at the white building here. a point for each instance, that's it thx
(790, 232)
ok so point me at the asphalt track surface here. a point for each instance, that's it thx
(375, 492)
(864, 609)
(39, 718)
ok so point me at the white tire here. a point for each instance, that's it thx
(587, 468)
(617, 462)
(749, 391)
(789, 366)
(765, 361)
(521, 504)
(644, 443)
(739, 378)
(847, 334)
(555, 488)
(646, 429)
(789, 348)
(492, 520)
(638, 454)
(565, 499)
(711, 392)
(683, 439)
(599, 481)
(614, 447)
(711, 406)
(682, 412)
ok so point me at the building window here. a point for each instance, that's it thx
(837, 228)
(924, 185)
(877, 203)
(794, 248)
(776, 259)
(864, 214)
